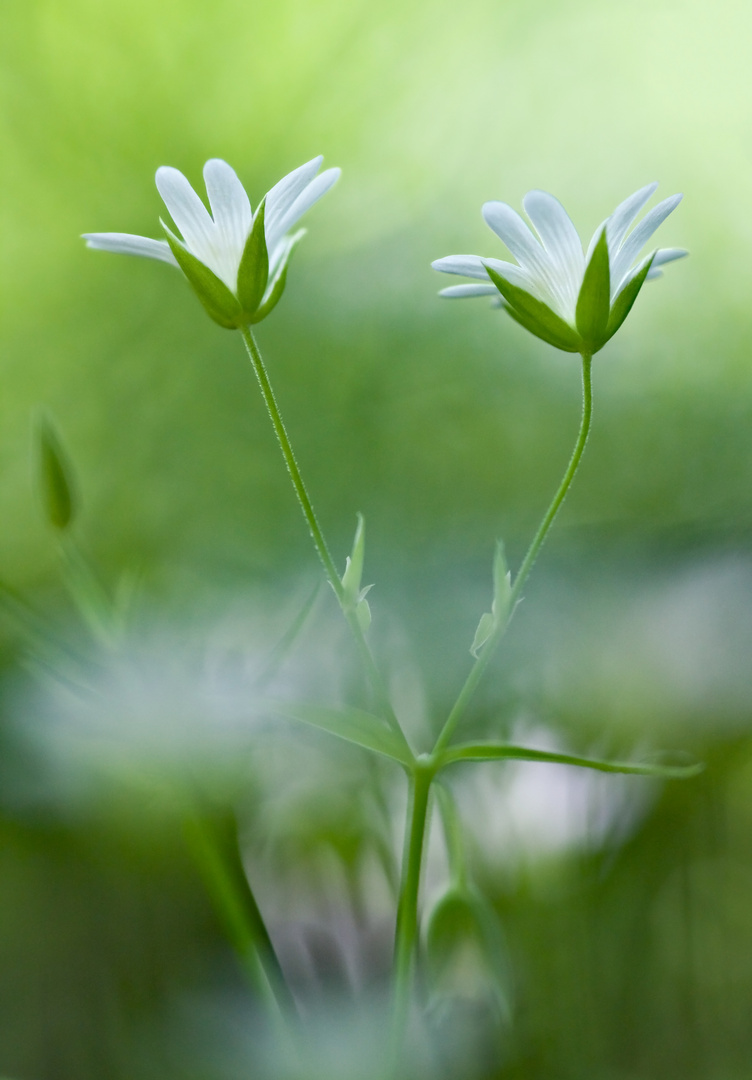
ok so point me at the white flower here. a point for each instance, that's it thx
(574, 301)
(246, 254)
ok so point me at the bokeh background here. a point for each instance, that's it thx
(626, 907)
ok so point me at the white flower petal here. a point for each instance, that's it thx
(230, 205)
(559, 236)
(665, 255)
(624, 215)
(660, 258)
(631, 274)
(517, 275)
(458, 292)
(640, 235)
(531, 255)
(467, 265)
(280, 198)
(127, 244)
(512, 231)
(305, 200)
(594, 240)
(189, 214)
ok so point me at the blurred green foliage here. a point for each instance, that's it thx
(447, 427)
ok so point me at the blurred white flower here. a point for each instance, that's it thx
(573, 300)
(235, 260)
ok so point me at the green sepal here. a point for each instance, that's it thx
(217, 299)
(277, 286)
(55, 475)
(253, 272)
(535, 316)
(594, 301)
(355, 726)
(626, 298)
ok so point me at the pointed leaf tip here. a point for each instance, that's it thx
(55, 475)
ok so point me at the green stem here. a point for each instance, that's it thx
(478, 669)
(292, 466)
(406, 931)
(374, 676)
(213, 845)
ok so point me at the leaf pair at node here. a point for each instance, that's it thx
(501, 606)
(353, 595)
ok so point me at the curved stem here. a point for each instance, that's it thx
(480, 665)
(292, 466)
(537, 543)
(214, 846)
(372, 671)
(406, 931)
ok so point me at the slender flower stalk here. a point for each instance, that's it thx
(319, 542)
(484, 656)
(422, 776)
(236, 261)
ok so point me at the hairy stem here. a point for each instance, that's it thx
(478, 669)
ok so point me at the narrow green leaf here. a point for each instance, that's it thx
(626, 298)
(460, 919)
(277, 286)
(594, 301)
(505, 751)
(253, 272)
(353, 725)
(55, 475)
(536, 316)
(217, 299)
(363, 611)
(483, 632)
(354, 566)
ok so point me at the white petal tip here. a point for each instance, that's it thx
(164, 172)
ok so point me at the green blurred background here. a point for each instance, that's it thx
(630, 931)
